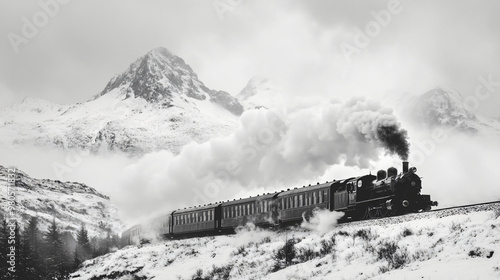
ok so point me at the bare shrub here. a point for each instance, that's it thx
(393, 254)
(407, 232)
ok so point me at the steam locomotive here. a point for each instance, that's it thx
(366, 197)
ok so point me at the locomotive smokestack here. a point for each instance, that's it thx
(405, 166)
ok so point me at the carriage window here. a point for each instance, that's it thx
(326, 195)
(308, 200)
(300, 201)
(253, 208)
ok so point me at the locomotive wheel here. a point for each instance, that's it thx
(383, 212)
(372, 213)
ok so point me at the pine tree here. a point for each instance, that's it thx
(4, 249)
(16, 244)
(54, 252)
(34, 266)
(83, 247)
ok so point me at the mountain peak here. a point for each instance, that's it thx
(443, 107)
(161, 51)
(161, 77)
(261, 92)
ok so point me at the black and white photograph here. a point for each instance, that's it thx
(249, 139)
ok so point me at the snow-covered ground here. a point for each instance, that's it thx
(450, 244)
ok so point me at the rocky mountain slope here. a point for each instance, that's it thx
(157, 103)
(451, 244)
(260, 92)
(69, 203)
(445, 108)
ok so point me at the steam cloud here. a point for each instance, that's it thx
(268, 151)
(322, 221)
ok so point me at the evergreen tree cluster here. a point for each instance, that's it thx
(50, 255)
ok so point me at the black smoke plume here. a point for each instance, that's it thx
(395, 140)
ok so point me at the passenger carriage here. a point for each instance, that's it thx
(259, 210)
(196, 220)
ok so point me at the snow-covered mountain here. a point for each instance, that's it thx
(160, 77)
(260, 92)
(157, 103)
(445, 108)
(69, 203)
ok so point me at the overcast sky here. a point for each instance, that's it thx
(79, 46)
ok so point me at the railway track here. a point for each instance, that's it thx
(439, 213)
(465, 206)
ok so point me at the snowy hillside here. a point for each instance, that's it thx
(450, 244)
(260, 92)
(157, 103)
(71, 204)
